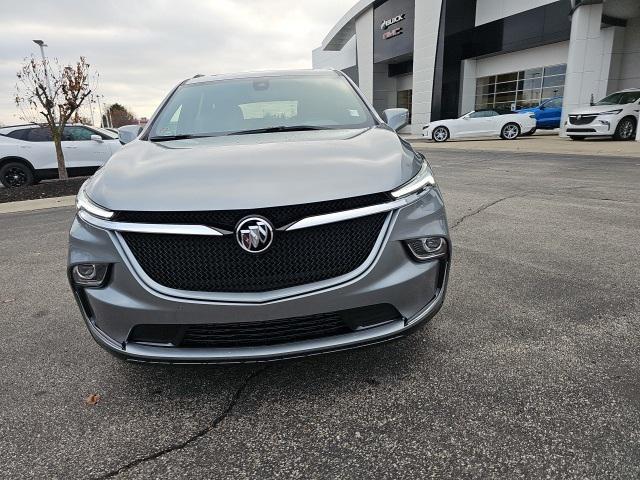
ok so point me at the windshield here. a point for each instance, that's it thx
(620, 98)
(261, 103)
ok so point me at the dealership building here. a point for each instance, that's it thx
(442, 58)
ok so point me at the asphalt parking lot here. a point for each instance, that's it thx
(531, 369)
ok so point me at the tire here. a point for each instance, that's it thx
(626, 129)
(510, 131)
(573, 137)
(529, 133)
(440, 134)
(14, 174)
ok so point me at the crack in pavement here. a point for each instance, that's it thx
(235, 398)
(482, 208)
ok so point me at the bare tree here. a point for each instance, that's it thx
(69, 87)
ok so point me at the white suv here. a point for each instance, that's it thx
(615, 116)
(28, 154)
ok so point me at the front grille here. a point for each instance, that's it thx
(219, 264)
(272, 332)
(228, 219)
(581, 119)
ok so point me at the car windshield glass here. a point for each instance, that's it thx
(264, 104)
(619, 98)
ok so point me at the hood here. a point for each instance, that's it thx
(252, 171)
(595, 109)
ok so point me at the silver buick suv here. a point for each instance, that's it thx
(259, 216)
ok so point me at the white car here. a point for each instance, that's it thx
(482, 123)
(616, 116)
(28, 155)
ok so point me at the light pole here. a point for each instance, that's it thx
(41, 44)
(93, 122)
(100, 110)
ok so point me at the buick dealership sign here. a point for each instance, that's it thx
(390, 21)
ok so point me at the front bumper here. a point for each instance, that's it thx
(416, 290)
(599, 127)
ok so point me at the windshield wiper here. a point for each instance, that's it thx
(164, 138)
(280, 128)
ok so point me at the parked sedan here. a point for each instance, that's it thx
(615, 116)
(547, 114)
(481, 123)
(28, 155)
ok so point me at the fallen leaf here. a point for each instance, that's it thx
(92, 399)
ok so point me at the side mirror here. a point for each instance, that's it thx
(542, 107)
(128, 133)
(396, 118)
(96, 138)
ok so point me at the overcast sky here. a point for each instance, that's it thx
(142, 48)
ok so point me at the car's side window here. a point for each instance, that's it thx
(630, 97)
(39, 135)
(557, 103)
(477, 114)
(75, 134)
(20, 134)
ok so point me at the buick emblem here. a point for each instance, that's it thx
(579, 117)
(254, 234)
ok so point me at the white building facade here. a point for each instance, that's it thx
(442, 58)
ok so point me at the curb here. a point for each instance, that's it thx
(38, 204)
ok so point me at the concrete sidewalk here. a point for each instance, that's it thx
(538, 144)
(37, 204)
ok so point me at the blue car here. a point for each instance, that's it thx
(547, 114)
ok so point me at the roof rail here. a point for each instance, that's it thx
(22, 125)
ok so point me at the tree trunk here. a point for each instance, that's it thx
(62, 169)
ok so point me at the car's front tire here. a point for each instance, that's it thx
(573, 137)
(15, 174)
(529, 133)
(510, 131)
(440, 134)
(626, 129)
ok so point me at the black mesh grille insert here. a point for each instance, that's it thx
(227, 219)
(581, 119)
(219, 264)
(272, 332)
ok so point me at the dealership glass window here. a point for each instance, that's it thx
(525, 88)
(404, 100)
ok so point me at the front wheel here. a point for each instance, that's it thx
(529, 133)
(573, 137)
(626, 129)
(16, 174)
(440, 134)
(510, 131)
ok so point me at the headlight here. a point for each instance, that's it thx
(83, 203)
(423, 179)
(611, 112)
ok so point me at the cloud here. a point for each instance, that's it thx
(142, 48)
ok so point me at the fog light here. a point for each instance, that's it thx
(90, 274)
(428, 248)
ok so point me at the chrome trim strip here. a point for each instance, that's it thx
(177, 229)
(355, 213)
(148, 227)
(255, 297)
